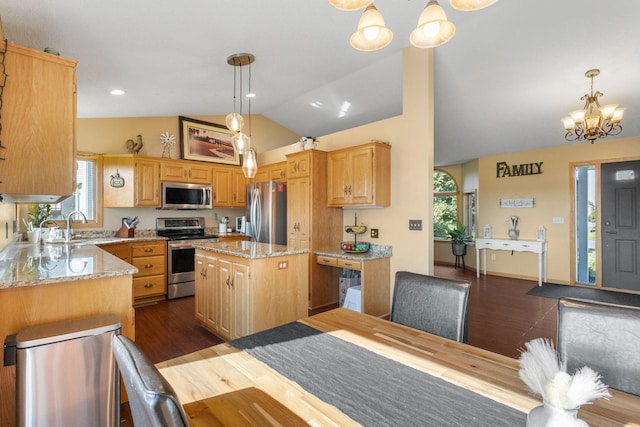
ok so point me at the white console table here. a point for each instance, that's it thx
(534, 246)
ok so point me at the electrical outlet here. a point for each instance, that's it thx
(415, 224)
(374, 233)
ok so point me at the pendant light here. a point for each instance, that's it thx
(350, 5)
(235, 121)
(250, 164)
(469, 5)
(433, 27)
(371, 34)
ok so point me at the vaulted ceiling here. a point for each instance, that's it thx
(502, 83)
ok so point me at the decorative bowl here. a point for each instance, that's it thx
(355, 247)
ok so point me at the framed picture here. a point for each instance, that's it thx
(207, 142)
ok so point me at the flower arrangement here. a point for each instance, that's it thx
(545, 374)
(513, 222)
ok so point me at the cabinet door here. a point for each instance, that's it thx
(277, 172)
(38, 124)
(241, 322)
(239, 189)
(361, 176)
(199, 174)
(338, 178)
(120, 250)
(199, 286)
(210, 305)
(299, 164)
(298, 212)
(174, 172)
(224, 300)
(222, 185)
(147, 183)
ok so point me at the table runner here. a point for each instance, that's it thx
(371, 389)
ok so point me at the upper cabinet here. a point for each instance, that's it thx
(272, 172)
(131, 181)
(229, 187)
(38, 131)
(298, 164)
(359, 176)
(181, 171)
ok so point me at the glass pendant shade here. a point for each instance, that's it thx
(250, 164)
(371, 33)
(349, 5)
(433, 27)
(242, 142)
(468, 5)
(234, 122)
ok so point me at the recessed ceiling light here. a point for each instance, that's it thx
(117, 92)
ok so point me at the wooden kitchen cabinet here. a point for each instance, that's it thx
(239, 296)
(120, 250)
(150, 282)
(360, 176)
(188, 172)
(229, 187)
(272, 172)
(38, 126)
(311, 224)
(374, 280)
(141, 177)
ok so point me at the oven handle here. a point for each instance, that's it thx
(181, 245)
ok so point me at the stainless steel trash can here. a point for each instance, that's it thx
(66, 374)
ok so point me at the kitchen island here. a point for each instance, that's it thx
(245, 287)
(50, 283)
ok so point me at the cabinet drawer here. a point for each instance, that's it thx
(347, 263)
(327, 260)
(147, 249)
(149, 266)
(152, 285)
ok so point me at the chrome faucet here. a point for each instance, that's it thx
(41, 235)
(67, 235)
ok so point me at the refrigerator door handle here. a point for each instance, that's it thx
(256, 213)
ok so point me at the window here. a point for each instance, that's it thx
(469, 219)
(87, 197)
(445, 203)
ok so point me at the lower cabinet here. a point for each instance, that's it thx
(150, 258)
(237, 296)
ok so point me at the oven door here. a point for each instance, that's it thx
(180, 267)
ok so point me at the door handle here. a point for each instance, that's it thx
(611, 232)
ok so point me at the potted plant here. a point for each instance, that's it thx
(459, 239)
(37, 213)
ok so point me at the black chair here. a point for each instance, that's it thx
(152, 400)
(604, 337)
(432, 304)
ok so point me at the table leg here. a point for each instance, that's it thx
(477, 262)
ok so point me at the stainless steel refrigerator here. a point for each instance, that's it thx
(267, 212)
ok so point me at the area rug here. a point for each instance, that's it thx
(552, 290)
(369, 388)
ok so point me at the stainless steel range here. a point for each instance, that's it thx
(182, 234)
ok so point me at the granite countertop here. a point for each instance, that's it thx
(375, 252)
(27, 264)
(248, 249)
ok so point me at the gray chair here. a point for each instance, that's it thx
(432, 304)
(604, 337)
(152, 400)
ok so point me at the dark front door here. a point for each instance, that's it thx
(619, 226)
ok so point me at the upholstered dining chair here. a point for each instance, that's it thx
(432, 304)
(604, 337)
(152, 400)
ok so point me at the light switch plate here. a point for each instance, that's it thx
(374, 233)
(415, 224)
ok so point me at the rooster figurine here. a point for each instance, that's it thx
(135, 147)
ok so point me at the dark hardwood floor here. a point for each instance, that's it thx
(502, 317)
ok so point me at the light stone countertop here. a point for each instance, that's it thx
(251, 250)
(375, 252)
(27, 264)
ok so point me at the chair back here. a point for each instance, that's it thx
(152, 400)
(432, 304)
(604, 337)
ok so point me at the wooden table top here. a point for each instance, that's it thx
(222, 376)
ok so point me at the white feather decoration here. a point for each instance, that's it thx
(545, 374)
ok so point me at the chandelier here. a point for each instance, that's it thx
(593, 121)
(235, 121)
(433, 27)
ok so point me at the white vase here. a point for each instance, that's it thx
(33, 236)
(549, 416)
(514, 233)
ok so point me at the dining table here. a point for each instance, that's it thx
(346, 368)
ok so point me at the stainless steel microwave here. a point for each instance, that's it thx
(176, 195)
